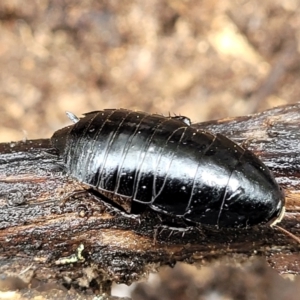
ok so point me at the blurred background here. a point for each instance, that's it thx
(204, 59)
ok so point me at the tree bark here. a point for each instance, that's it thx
(83, 240)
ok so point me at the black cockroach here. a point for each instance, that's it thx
(140, 160)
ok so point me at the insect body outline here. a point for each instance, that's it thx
(141, 160)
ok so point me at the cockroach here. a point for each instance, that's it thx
(140, 160)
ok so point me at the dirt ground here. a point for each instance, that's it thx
(256, 281)
(204, 59)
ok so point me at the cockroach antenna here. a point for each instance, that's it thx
(278, 220)
(291, 235)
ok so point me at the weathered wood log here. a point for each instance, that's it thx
(80, 241)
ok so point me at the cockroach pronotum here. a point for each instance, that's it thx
(141, 160)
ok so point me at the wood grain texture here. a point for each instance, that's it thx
(40, 231)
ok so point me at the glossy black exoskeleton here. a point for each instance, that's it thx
(141, 160)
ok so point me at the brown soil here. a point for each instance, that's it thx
(204, 59)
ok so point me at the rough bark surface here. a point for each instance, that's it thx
(82, 241)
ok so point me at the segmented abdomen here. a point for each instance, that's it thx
(137, 158)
